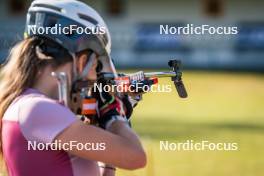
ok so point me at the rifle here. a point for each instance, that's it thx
(84, 104)
(148, 78)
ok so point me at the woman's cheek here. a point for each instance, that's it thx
(92, 75)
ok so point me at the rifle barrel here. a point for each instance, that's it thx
(146, 74)
(160, 74)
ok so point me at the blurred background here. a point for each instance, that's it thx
(134, 26)
(223, 75)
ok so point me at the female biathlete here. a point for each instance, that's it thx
(31, 113)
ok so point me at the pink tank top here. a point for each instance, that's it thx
(36, 118)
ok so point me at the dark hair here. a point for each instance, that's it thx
(25, 60)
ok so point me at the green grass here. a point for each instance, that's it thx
(222, 107)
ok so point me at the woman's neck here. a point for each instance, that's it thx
(47, 85)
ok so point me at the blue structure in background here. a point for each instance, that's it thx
(251, 36)
(148, 38)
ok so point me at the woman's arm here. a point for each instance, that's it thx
(122, 146)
